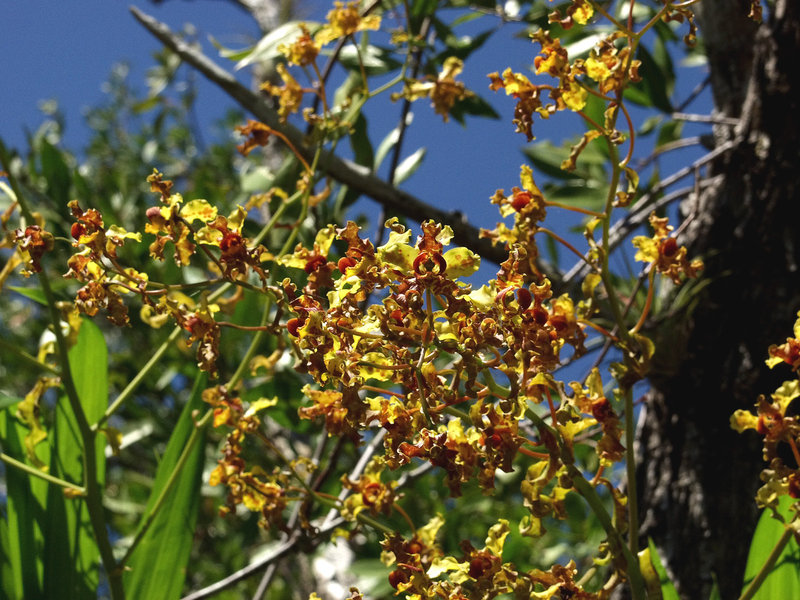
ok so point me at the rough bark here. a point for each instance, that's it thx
(697, 477)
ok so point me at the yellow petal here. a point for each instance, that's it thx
(199, 209)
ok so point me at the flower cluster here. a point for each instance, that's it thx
(788, 352)
(432, 347)
(97, 267)
(568, 93)
(254, 489)
(345, 20)
(422, 571)
(529, 208)
(444, 91)
(778, 425)
(32, 243)
(664, 253)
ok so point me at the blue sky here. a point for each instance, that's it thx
(55, 49)
(66, 50)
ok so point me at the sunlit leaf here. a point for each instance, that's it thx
(158, 564)
(35, 294)
(71, 556)
(668, 591)
(23, 513)
(375, 60)
(782, 581)
(408, 166)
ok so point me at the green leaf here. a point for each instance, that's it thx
(24, 512)
(35, 294)
(158, 564)
(585, 195)
(408, 166)
(668, 591)
(71, 555)
(360, 143)
(658, 78)
(56, 173)
(423, 8)
(462, 46)
(715, 595)
(7, 579)
(89, 367)
(669, 132)
(649, 125)
(389, 142)
(783, 581)
(376, 60)
(472, 105)
(584, 40)
(229, 53)
(147, 104)
(6, 401)
(547, 158)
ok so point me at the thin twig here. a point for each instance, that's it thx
(694, 94)
(646, 205)
(704, 119)
(291, 526)
(282, 549)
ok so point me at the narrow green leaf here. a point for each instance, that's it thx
(408, 166)
(585, 195)
(473, 105)
(360, 143)
(668, 591)
(669, 132)
(7, 580)
(584, 40)
(462, 46)
(389, 142)
(35, 294)
(147, 104)
(715, 595)
(71, 555)
(229, 53)
(547, 158)
(56, 173)
(158, 564)
(783, 581)
(656, 85)
(423, 8)
(6, 401)
(24, 513)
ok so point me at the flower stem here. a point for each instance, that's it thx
(33, 471)
(766, 569)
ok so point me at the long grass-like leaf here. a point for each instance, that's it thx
(158, 564)
(71, 552)
(782, 581)
(24, 514)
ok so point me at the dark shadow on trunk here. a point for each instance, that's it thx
(697, 477)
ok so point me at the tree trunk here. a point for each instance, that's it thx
(697, 477)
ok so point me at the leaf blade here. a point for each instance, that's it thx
(71, 555)
(158, 564)
(782, 581)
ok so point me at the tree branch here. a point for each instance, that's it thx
(352, 175)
